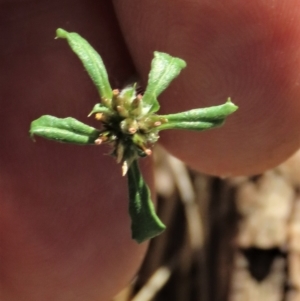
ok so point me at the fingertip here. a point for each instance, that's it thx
(249, 52)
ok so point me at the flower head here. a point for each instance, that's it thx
(130, 124)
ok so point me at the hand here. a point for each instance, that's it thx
(64, 227)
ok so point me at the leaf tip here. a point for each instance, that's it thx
(31, 131)
(229, 100)
(143, 237)
(61, 33)
(232, 105)
(31, 135)
(179, 62)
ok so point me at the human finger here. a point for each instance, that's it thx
(246, 51)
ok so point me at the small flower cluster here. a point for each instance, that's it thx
(130, 124)
(126, 126)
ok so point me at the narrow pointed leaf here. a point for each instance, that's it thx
(164, 68)
(90, 59)
(205, 114)
(145, 224)
(66, 130)
(199, 119)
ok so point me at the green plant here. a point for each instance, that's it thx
(130, 124)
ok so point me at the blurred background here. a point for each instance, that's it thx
(231, 239)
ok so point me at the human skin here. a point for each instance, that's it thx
(64, 227)
(248, 51)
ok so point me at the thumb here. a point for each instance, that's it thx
(246, 51)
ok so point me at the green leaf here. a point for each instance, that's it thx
(99, 108)
(145, 224)
(164, 68)
(204, 114)
(199, 119)
(66, 130)
(191, 126)
(90, 59)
